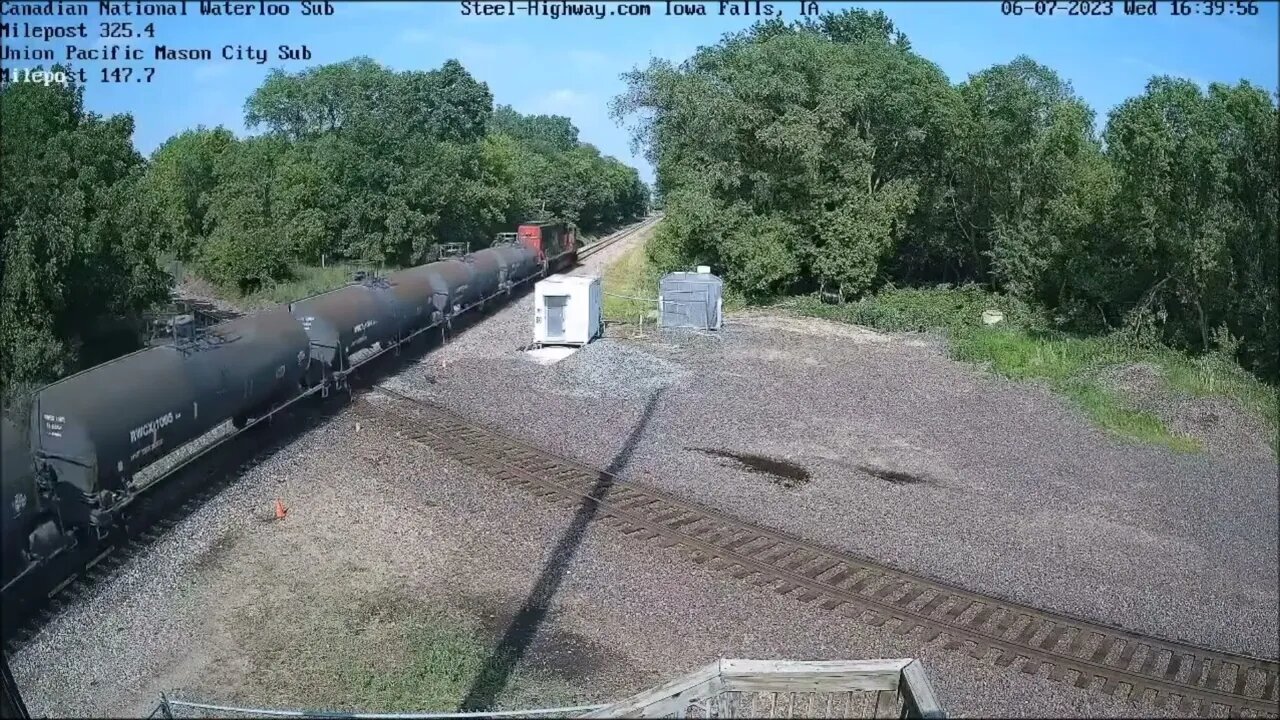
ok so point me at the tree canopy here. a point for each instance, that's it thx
(359, 162)
(79, 236)
(353, 162)
(827, 155)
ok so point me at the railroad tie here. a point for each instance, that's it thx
(890, 588)
(1242, 679)
(938, 601)
(1126, 657)
(952, 616)
(1050, 641)
(821, 567)
(1030, 631)
(835, 580)
(980, 619)
(864, 581)
(1104, 647)
(742, 550)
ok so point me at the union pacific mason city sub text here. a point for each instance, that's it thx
(126, 53)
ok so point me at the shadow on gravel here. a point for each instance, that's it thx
(788, 475)
(897, 477)
(520, 633)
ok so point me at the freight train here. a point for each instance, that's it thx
(69, 477)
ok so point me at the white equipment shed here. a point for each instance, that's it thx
(567, 310)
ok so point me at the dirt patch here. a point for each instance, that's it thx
(818, 327)
(1217, 422)
(213, 558)
(359, 640)
(786, 474)
(565, 653)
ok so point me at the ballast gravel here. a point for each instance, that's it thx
(993, 485)
(230, 605)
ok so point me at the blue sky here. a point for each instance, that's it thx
(571, 66)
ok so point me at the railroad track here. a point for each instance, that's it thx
(588, 250)
(31, 606)
(1123, 664)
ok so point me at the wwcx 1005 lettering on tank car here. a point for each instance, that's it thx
(150, 428)
(364, 326)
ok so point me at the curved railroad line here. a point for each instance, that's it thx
(1120, 663)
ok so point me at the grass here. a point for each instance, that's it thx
(1022, 348)
(442, 661)
(307, 280)
(633, 277)
(390, 653)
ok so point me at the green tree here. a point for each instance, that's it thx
(799, 158)
(544, 134)
(1195, 212)
(245, 249)
(180, 178)
(1027, 185)
(80, 238)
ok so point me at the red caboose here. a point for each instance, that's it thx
(556, 243)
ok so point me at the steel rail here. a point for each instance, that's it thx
(587, 251)
(84, 564)
(1082, 652)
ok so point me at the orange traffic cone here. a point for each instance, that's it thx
(280, 509)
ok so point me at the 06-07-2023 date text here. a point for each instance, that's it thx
(1104, 8)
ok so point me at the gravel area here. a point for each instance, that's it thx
(230, 606)
(1002, 487)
